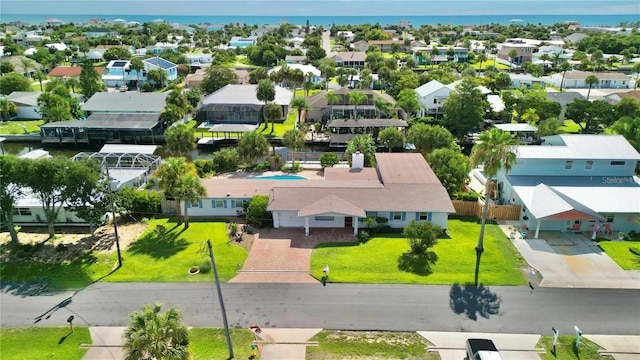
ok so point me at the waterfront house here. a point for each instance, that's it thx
(238, 104)
(112, 117)
(27, 104)
(401, 188)
(577, 80)
(322, 111)
(341, 131)
(574, 183)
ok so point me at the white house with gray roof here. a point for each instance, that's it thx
(433, 94)
(577, 79)
(575, 183)
(401, 188)
(125, 103)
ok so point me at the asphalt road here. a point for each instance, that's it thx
(346, 307)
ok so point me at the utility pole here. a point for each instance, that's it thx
(224, 312)
(113, 215)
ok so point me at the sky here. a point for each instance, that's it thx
(319, 7)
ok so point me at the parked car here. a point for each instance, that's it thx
(482, 349)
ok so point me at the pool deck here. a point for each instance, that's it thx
(307, 174)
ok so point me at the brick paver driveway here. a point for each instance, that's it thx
(284, 255)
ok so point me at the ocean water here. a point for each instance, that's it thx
(326, 21)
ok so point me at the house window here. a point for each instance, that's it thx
(372, 214)
(423, 216)
(324, 218)
(240, 203)
(217, 203)
(24, 211)
(617, 163)
(568, 165)
(609, 217)
(588, 165)
(191, 204)
(397, 215)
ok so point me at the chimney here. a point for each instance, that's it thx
(357, 160)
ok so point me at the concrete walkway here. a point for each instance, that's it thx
(620, 347)
(451, 345)
(106, 343)
(290, 344)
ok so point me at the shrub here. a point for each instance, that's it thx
(138, 202)
(225, 160)
(363, 236)
(204, 167)
(265, 165)
(422, 235)
(294, 167)
(329, 160)
(466, 196)
(147, 87)
(205, 266)
(257, 214)
(381, 220)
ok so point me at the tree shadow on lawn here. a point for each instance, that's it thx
(419, 264)
(160, 243)
(474, 300)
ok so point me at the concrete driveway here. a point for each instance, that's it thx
(451, 345)
(572, 260)
(284, 255)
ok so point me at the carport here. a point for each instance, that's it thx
(329, 207)
(549, 204)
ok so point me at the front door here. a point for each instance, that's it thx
(348, 221)
(576, 225)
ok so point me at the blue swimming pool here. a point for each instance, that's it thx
(280, 177)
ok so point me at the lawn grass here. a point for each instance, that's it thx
(280, 128)
(565, 349)
(18, 126)
(570, 127)
(149, 259)
(624, 253)
(385, 259)
(168, 259)
(211, 343)
(369, 345)
(43, 343)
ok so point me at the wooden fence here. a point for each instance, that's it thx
(497, 212)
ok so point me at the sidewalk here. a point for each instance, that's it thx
(106, 343)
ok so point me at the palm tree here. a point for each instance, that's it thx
(152, 335)
(72, 83)
(137, 65)
(636, 68)
(555, 59)
(252, 146)
(308, 83)
(294, 140)
(265, 92)
(512, 57)
(496, 151)
(169, 175)
(271, 113)
(564, 67)
(332, 98)
(180, 139)
(7, 108)
(545, 57)
(482, 57)
(356, 98)
(300, 104)
(590, 81)
(189, 190)
(40, 77)
(158, 76)
(26, 65)
(382, 106)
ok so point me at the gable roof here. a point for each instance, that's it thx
(25, 98)
(580, 146)
(549, 203)
(332, 204)
(582, 75)
(160, 62)
(246, 95)
(71, 71)
(359, 56)
(117, 102)
(400, 168)
(429, 88)
(318, 100)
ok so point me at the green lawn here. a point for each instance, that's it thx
(211, 343)
(624, 253)
(151, 259)
(280, 128)
(565, 349)
(386, 259)
(18, 126)
(43, 343)
(570, 127)
(369, 345)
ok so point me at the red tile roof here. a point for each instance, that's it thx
(70, 71)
